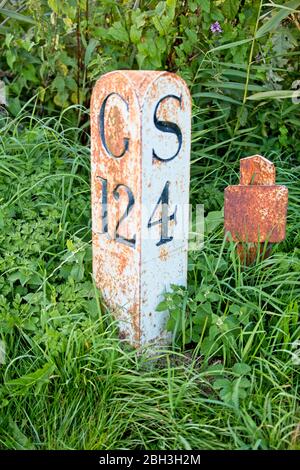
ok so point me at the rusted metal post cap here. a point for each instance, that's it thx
(255, 210)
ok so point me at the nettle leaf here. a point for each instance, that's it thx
(206, 308)
(77, 272)
(206, 294)
(192, 36)
(158, 25)
(204, 4)
(10, 58)
(283, 40)
(61, 99)
(101, 33)
(160, 8)
(138, 18)
(135, 34)
(162, 306)
(170, 11)
(30, 74)
(193, 6)
(118, 32)
(8, 38)
(215, 369)
(173, 320)
(244, 382)
(202, 318)
(232, 391)
(59, 83)
(209, 345)
(241, 313)
(71, 83)
(230, 8)
(21, 276)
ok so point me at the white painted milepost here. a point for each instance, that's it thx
(141, 132)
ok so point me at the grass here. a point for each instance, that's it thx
(68, 382)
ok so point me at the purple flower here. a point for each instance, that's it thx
(216, 28)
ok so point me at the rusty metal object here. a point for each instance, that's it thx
(140, 129)
(255, 210)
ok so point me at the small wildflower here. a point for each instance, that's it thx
(216, 28)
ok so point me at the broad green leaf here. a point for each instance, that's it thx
(89, 51)
(240, 368)
(204, 4)
(230, 8)
(162, 306)
(77, 272)
(138, 18)
(8, 38)
(244, 382)
(59, 83)
(135, 34)
(118, 32)
(158, 25)
(10, 58)
(61, 99)
(54, 5)
(222, 383)
(170, 10)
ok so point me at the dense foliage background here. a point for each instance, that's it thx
(55, 50)
(231, 379)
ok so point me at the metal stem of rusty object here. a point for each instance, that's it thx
(255, 210)
(140, 171)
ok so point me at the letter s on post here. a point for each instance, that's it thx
(167, 126)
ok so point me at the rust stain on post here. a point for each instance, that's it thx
(255, 210)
